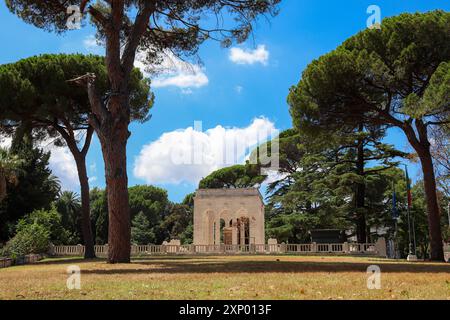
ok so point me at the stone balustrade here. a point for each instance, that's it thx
(375, 249)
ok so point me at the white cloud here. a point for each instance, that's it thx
(188, 155)
(91, 45)
(63, 166)
(174, 72)
(244, 56)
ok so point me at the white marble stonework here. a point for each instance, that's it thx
(228, 216)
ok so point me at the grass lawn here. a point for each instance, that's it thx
(228, 278)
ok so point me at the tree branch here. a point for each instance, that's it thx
(138, 30)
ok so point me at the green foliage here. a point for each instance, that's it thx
(396, 76)
(99, 215)
(317, 182)
(377, 76)
(9, 165)
(148, 200)
(179, 223)
(50, 220)
(34, 186)
(31, 238)
(37, 88)
(189, 200)
(238, 176)
(178, 26)
(68, 206)
(141, 233)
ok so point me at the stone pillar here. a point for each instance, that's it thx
(234, 234)
(242, 240)
(217, 231)
(380, 246)
(251, 231)
(345, 247)
(210, 228)
(51, 249)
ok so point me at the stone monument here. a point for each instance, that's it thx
(228, 216)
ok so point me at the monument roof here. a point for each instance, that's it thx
(227, 192)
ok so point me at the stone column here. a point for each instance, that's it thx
(242, 240)
(217, 239)
(380, 246)
(234, 233)
(252, 231)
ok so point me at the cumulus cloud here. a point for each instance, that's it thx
(187, 155)
(174, 72)
(62, 165)
(245, 56)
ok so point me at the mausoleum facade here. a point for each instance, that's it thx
(228, 216)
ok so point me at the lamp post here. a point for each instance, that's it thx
(448, 212)
(395, 217)
(412, 250)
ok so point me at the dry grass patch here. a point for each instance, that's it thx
(229, 278)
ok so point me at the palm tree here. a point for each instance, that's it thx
(54, 184)
(69, 206)
(9, 169)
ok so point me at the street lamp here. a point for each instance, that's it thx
(448, 212)
(412, 256)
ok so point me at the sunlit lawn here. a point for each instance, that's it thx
(228, 278)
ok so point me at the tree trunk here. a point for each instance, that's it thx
(434, 225)
(2, 185)
(423, 148)
(86, 227)
(360, 193)
(114, 145)
(80, 160)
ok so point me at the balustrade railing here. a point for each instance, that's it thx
(314, 248)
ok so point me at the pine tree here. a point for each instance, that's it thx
(141, 232)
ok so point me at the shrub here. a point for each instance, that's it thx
(50, 220)
(32, 238)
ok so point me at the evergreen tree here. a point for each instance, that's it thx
(141, 232)
(395, 76)
(126, 27)
(238, 176)
(179, 223)
(35, 188)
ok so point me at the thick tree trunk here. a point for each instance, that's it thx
(86, 228)
(119, 231)
(361, 234)
(422, 146)
(114, 144)
(111, 118)
(434, 225)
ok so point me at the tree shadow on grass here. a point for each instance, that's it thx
(80, 260)
(68, 260)
(217, 265)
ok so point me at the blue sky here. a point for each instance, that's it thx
(226, 94)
